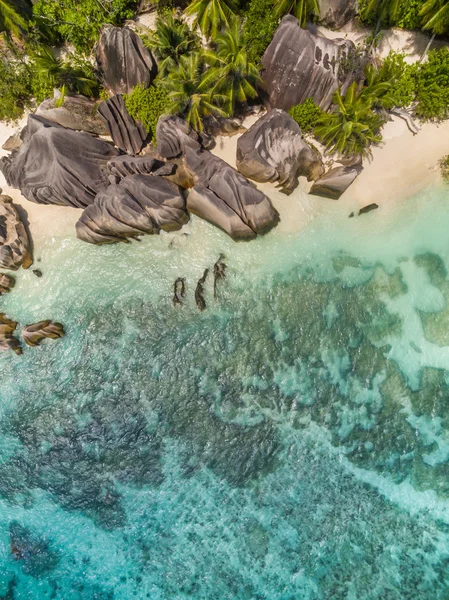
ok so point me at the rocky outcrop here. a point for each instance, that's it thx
(121, 166)
(273, 150)
(6, 283)
(77, 112)
(12, 143)
(336, 181)
(173, 135)
(123, 60)
(139, 205)
(7, 339)
(15, 248)
(127, 134)
(225, 198)
(336, 13)
(56, 165)
(34, 334)
(298, 65)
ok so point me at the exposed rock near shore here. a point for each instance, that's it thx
(273, 150)
(121, 166)
(77, 112)
(298, 65)
(123, 60)
(127, 134)
(173, 135)
(7, 282)
(225, 198)
(7, 339)
(336, 181)
(34, 334)
(139, 205)
(56, 165)
(336, 13)
(15, 248)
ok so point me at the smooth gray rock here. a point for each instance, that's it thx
(140, 204)
(173, 134)
(56, 165)
(127, 134)
(15, 247)
(221, 192)
(336, 13)
(336, 181)
(121, 166)
(123, 60)
(298, 65)
(77, 112)
(273, 150)
(12, 143)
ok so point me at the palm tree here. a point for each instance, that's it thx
(189, 93)
(12, 22)
(212, 15)
(385, 11)
(435, 14)
(352, 127)
(301, 9)
(231, 74)
(171, 39)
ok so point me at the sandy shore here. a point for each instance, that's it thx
(403, 166)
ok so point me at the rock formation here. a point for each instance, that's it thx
(298, 65)
(34, 334)
(225, 198)
(273, 150)
(173, 134)
(336, 181)
(336, 13)
(56, 165)
(123, 60)
(127, 134)
(219, 273)
(15, 249)
(179, 291)
(7, 339)
(121, 166)
(77, 112)
(199, 291)
(13, 143)
(140, 204)
(7, 282)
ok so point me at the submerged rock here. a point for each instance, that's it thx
(369, 208)
(56, 165)
(273, 150)
(298, 65)
(336, 13)
(225, 198)
(34, 334)
(127, 134)
(336, 181)
(219, 273)
(15, 248)
(32, 551)
(77, 112)
(139, 205)
(123, 60)
(7, 282)
(179, 291)
(7, 339)
(199, 291)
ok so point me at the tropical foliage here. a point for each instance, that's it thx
(385, 11)
(432, 86)
(435, 15)
(15, 89)
(171, 39)
(13, 18)
(211, 16)
(352, 126)
(231, 76)
(402, 80)
(147, 105)
(301, 9)
(260, 24)
(306, 115)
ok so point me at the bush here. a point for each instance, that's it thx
(408, 15)
(147, 104)
(401, 76)
(444, 168)
(306, 115)
(260, 24)
(15, 89)
(79, 21)
(432, 86)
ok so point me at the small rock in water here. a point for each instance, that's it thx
(219, 272)
(37, 272)
(367, 209)
(34, 334)
(7, 282)
(199, 292)
(179, 291)
(7, 339)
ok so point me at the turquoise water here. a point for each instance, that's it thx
(291, 442)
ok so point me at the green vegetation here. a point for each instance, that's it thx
(13, 18)
(15, 89)
(401, 77)
(211, 16)
(435, 14)
(405, 13)
(260, 24)
(147, 105)
(171, 39)
(306, 115)
(301, 9)
(432, 86)
(444, 168)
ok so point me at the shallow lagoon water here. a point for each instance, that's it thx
(292, 441)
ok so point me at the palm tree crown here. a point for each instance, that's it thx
(301, 9)
(383, 10)
(435, 15)
(212, 15)
(11, 21)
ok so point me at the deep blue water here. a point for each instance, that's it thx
(291, 442)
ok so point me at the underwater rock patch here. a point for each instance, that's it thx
(34, 334)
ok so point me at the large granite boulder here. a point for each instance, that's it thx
(34, 334)
(273, 150)
(139, 204)
(56, 165)
(15, 247)
(173, 134)
(123, 60)
(298, 65)
(225, 198)
(127, 134)
(7, 282)
(77, 112)
(7, 339)
(121, 166)
(336, 13)
(336, 181)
